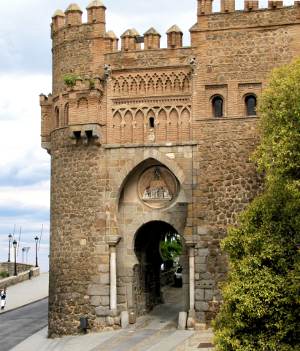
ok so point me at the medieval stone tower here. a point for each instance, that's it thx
(147, 140)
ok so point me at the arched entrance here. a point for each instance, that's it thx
(152, 202)
(153, 275)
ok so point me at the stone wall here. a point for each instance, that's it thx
(216, 180)
(152, 108)
(25, 272)
(9, 267)
(78, 251)
(226, 181)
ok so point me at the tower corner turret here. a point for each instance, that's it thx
(151, 39)
(73, 15)
(112, 40)
(58, 20)
(175, 35)
(128, 40)
(96, 13)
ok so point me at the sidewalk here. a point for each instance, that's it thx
(121, 340)
(154, 332)
(26, 292)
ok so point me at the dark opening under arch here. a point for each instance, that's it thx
(250, 102)
(147, 274)
(217, 106)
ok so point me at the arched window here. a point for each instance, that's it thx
(66, 114)
(250, 102)
(56, 117)
(217, 106)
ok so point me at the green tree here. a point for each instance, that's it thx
(171, 247)
(261, 296)
(279, 151)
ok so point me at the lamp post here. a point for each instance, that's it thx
(15, 248)
(36, 256)
(9, 244)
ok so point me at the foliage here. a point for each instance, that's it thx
(279, 151)
(4, 274)
(171, 247)
(70, 79)
(261, 296)
(262, 293)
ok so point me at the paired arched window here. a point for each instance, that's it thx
(250, 105)
(218, 106)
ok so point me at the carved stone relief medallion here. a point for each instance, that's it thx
(157, 187)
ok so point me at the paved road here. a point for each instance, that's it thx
(26, 292)
(156, 331)
(19, 324)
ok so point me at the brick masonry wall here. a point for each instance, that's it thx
(104, 142)
(235, 53)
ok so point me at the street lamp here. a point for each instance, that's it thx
(9, 243)
(36, 256)
(15, 248)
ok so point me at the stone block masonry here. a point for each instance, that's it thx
(146, 140)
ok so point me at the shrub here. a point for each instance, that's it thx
(261, 306)
(70, 79)
(4, 274)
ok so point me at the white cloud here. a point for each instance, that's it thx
(32, 197)
(24, 166)
(20, 119)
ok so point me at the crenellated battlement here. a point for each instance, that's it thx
(66, 24)
(73, 16)
(205, 7)
(250, 17)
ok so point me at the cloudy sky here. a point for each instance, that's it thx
(25, 72)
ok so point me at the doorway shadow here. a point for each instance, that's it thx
(161, 303)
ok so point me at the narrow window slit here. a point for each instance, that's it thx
(151, 122)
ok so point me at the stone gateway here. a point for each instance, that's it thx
(146, 141)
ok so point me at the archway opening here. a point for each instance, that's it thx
(159, 273)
